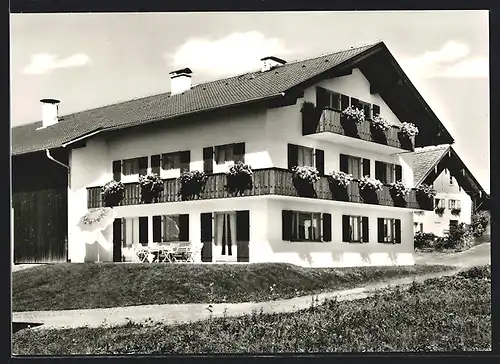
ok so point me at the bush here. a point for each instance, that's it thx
(424, 240)
(479, 222)
(459, 236)
(477, 272)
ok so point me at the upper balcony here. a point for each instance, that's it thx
(331, 125)
(271, 181)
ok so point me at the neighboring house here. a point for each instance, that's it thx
(459, 194)
(256, 118)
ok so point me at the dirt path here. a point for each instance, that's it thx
(179, 313)
(478, 255)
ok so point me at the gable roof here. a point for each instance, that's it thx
(242, 89)
(426, 159)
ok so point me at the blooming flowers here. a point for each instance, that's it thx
(380, 123)
(370, 183)
(151, 187)
(306, 173)
(192, 182)
(399, 189)
(409, 129)
(113, 192)
(425, 189)
(354, 114)
(342, 179)
(239, 177)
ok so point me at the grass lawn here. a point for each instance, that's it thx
(80, 286)
(445, 314)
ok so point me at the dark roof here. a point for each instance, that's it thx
(213, 95)
(425, 159)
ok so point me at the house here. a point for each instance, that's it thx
(283, 115)
(459, 194)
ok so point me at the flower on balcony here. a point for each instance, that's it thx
(380, 123)
(456, 211)
(426, 190)
(239, 177)
(370, 183)
(399, 189)
(151, 187)
(357, 115)
(192, 183)
(306, 174)
(439, 210)
(341, 179)
(409, 129)
(112, 193)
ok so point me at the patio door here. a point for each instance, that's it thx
(225, 248)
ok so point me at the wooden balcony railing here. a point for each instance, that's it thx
(270, 181)
(332, 121)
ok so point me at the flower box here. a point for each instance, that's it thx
(151, 187)
(113, 193)
(370, 183)
(409, 129)
(192, 184)
(380, 123)
(399, 189)
(439, 210)
(239, 178)
(456, 211)
(356, 115)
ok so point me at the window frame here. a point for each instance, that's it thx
(389, 223)
(163, 227)
(359, 160)
(301, 150)
(295, 237)
(135, 165)
(176, 163)
(359, 222)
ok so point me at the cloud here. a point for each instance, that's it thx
(42, 63)
(451, 60)
(233, 54)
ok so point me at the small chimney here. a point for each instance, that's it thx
(180, 81)
(50, 112)
(271, 62)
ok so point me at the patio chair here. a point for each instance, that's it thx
(193, 251)
(142, 254)
(165, 254)
(181, 253)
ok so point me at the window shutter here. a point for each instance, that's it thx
(157, 238)
(239, 152)
(208, 159)
(380, 171)
(399, 172)
(327, 227)
(366, 167)
(344, 102)
(143, 166)
(293, 155)
(185, 159)
(344, 163)
(117, 170)
(375, 110)
(143, 230)
(354, 102)
(320, 160)
(380, 229)
(117, 240)
(322, 98)
(184, 227)
(364, 228)
(346, 236)
(206, 236)
(243, 235)
(397, 227)
(286, 225)
(155, 164)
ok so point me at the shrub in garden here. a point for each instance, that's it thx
(479, 222)
(424, 240)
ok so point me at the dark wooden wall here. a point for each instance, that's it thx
(40, 202)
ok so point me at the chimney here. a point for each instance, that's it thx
(50, 112)
(180, 81)
(268, 63)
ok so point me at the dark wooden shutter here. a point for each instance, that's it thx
(117, 170)
(322, 98)
(239, 152)
(157, 229)
(293, 155)
(327, 227)
(143, 230)
(399, 172)
(354, 102)
(206, 236)
(397, 227)
(117, 240)
(364, 228)
(208, 159)
(155, 164)
(346, 236)
(375, 110)
(286, 225)
(344, 102)
(184, 227)
(344, 163)
(185, 159)
(380, 171)
(380, 230)
(366, 167)
(319, 156)
(243, 235)
(143, 166)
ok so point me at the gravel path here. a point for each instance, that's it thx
(478, 255)
(179, 313)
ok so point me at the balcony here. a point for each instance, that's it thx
(270, 181)
(331, 125)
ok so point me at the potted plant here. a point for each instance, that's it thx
(399, 189)
(353, 114)
(409, 129)
(368, 188)
(439, 210)
(380, 123)
(192, 183)
(239, 178)
(113, 193)
(338, 182)
(425, 194)
(456, 211)
(303, 178)
(151, 187)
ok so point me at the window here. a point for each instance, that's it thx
(421, 227)
(228, 153)
(171, 161)
(130, 166)
(389, 230)
(134, 231)
(439, 202)
(169, 228)
(330, 99)
(454, 204)
(305, 156)
(355, 229)
(302, 226)
(366, 107)
(354, 166)
(387, 172)
(451, 179)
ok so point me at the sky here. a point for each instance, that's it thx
(90, 60)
